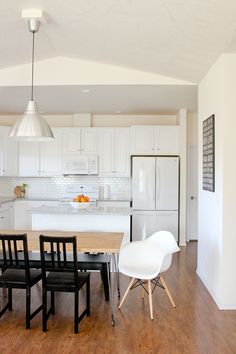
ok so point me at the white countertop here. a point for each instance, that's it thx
(6, 199)
(91, 210)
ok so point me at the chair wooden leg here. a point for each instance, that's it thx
(126, 292)
(76, 311)
(167, 291)
(9, 299)
(150, 298)
(44, 310)
(52, 302)
(28, 300)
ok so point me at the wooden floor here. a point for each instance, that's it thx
(195, 326)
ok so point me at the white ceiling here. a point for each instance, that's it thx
(129, 99)
(175, 38)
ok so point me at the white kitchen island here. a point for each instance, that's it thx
(67, 218)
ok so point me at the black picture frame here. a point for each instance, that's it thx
(208, 158)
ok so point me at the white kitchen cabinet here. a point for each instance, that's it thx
(154, 140)
(142, 140)
(22, 212)
(106, 149)
(89, 141)
(122, 156)
(4, 216)
(50, 156)
(29, 158)
(166, 140)
(4, 220)
(8, 153)
(80, 140)
(41, 159)
(114, 158)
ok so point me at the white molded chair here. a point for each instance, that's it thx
(145, 261)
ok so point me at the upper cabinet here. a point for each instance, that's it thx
(51, 156)
(158, 140)
(114, 156)
(80, 141)
(41, 159)
(8, 153)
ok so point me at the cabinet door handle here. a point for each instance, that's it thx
(2, 217)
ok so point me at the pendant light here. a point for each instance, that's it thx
(32, 126)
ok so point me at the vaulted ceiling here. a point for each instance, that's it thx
(175, 38)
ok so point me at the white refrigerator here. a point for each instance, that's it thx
(155, 195)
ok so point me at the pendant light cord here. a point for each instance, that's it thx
(32, 71)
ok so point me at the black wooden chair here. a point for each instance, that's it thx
(16, 273)
(62, 275)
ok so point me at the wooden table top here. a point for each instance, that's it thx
(107, 242)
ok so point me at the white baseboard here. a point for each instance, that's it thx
(220, 305)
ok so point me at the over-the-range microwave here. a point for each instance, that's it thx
(80, 165)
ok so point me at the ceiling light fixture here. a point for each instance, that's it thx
(32, 126)
(85, 90)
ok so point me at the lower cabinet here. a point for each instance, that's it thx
(4, 216)
(22, 212)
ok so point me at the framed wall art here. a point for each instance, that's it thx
(208, 167)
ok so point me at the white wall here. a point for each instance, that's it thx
(182, 121)
(125, 120)
(100, 120)
(217, 222)
(192, 129)
(81, 72)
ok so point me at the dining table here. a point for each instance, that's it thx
(108, 243)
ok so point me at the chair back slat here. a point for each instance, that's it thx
(16, 253)
(58, 260)
(52, 253)
(12, 247)
(64, 254)
(9, 251)
(4, 251)
(58, 255)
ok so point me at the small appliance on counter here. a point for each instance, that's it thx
(104, 192)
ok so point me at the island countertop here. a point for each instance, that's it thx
(91, 210)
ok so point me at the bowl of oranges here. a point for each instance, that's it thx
(80, 202)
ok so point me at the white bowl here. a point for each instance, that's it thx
(78, 205)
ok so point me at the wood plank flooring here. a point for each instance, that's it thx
(195, 326)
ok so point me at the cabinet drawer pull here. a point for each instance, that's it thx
(2, 217)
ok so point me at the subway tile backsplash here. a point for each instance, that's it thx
(55, 187)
